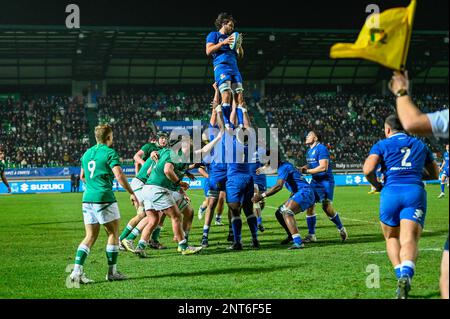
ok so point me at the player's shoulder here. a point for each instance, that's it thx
(213, 35)
(88, 151)
(322, 147)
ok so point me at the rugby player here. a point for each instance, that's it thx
(99, 165)
(405, 161)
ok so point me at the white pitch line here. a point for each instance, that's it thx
(384, 251)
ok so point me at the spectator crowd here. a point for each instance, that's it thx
(54, 131)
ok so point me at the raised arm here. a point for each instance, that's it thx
(412, 119)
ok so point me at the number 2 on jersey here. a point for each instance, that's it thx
(91, 168)
(407, 152)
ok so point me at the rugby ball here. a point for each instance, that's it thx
(236, 44)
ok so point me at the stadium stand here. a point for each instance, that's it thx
(51, 131)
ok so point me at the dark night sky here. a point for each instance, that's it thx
(340, 14)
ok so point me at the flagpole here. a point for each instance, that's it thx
(412, 8)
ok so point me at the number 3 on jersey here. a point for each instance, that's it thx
(407, 152)
(91, 168)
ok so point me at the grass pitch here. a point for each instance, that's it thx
(40, 234)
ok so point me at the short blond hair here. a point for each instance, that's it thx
(102, 132)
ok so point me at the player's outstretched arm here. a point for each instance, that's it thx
(233, 114)
(271, 191)
(247, 122)
(412, 119)
(6, 182)
(208, 147)
(215, 102)
(369, 169)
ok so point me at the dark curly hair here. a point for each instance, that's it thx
(222, 19)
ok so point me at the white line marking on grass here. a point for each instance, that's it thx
(384, 251)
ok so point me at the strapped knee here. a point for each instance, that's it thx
(225, 86)
(286, 211)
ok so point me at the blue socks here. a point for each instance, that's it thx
(236, 223)
(311, 222)
(297, 239)
(398, 271)
(408, 268)
(337, 221)
(259, 219)
(442, 188)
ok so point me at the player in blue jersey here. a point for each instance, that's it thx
(226, 71)
(302, 197)
(239, 186)
(260, 185)
(380, 178)
(444, 172)
(217, 170)
(406, 161)
(423, 124)
(319, 166)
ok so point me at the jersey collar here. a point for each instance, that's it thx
(397, 134)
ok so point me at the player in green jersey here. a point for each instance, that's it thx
(143, 158)
(2, 170)
(99, 165)
(146, 150)
(140, 157)
(158, 193)
(138, 222)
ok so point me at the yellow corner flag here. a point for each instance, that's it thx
(384, 38)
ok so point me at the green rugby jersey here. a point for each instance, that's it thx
(142, 174)
(180, 168)
(97, 163)
(157, 176)
(149, 148)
